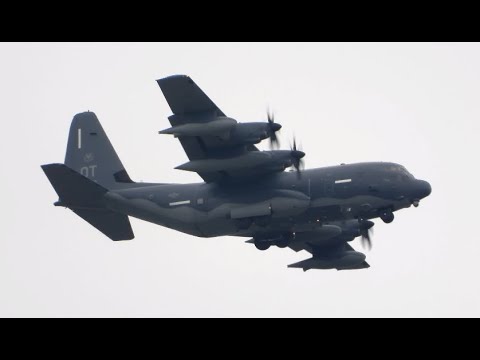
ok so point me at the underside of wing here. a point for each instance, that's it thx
(335, 253)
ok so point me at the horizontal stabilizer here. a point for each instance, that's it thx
(86, 199)
(116, 226)
(73, 188)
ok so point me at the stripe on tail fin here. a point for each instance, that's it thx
(90, 153)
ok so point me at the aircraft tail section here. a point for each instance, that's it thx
(86, 199)
(114, 225)
(90, 153)
(74, 189)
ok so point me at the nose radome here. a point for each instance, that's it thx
(424, 189)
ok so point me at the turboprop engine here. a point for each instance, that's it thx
(228, 130)
(347, 260)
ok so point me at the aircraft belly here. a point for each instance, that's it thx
(217, 222)
(181, 218)
(283, 210)
(275, 211)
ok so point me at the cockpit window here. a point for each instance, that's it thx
(400, 170)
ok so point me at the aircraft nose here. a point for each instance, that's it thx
(422, 189)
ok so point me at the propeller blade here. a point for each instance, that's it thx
(366, 243)
(272, 129)
(297, 158)
(366, 233)
(270, 117)
(274, 141)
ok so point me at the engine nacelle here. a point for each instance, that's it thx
(347, 260)
(220, 127)
(226, 129)
(250, 133)
(279, 159)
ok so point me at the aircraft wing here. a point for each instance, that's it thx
(334, 254)
(185, 97)
(192, 107)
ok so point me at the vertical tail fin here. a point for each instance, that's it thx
(90, 153)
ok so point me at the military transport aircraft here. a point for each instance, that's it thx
(246, 192)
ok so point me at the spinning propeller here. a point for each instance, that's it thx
(297, 158)
(366, 233)
(295, 154)
(273, 128)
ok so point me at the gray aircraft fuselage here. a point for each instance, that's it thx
(246, 192)
(279, 203)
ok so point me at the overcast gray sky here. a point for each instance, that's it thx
(415, 104)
